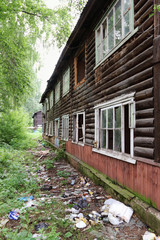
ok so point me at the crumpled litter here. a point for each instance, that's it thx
(3, 222)
(26, 199)
(149, 236)
(13, 215)
(116, 209)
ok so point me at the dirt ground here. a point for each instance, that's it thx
(64, 185)
(69, 186)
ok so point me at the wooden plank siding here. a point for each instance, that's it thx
(141, 178)
(133, 67)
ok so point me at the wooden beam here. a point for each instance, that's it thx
(156, 60)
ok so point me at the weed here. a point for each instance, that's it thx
(63, 174)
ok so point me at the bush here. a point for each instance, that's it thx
(13, 130)
(13, 126)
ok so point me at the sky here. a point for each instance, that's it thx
(49, 57)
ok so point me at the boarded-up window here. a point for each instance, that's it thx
(65, 127)
(79, 66)
(57, 92)
(66, 81)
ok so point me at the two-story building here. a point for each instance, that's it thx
(103, 97)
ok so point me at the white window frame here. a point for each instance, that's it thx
(101, 39)
(76, 115)
(50, 128)
(51, 99)
(46, 130)
(47, 104)
(123, 100)
(66, 81)
(65, 129)
(57, 92)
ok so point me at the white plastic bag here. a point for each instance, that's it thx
(114, 220)
(149, 236)
(122, 211)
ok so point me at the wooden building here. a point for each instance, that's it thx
(103, 97)
(37, 119)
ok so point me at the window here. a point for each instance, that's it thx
(117, 24)
(51, 99)
(50, 128)
(57, 92)
(115, 123)
(65, 127)
(66, 81)
(79, 67)
(79, 127)
(46, 128)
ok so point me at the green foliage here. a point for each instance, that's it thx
(13, 127)
(13, 179)
(155, 9)
(63, 174)
(60, 154)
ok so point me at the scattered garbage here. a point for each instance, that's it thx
(40, 226)
(46, 187)
(81, 224)
(38, 236)
(117, 211)
(3, 222)
(13, 215)
(26, 199)
(149, 236)
(82, 203)
(73, 182)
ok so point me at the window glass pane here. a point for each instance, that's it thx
(132, 115)
(110, 21)
(110, 118)
(118, 32)
(110, 40)
(104, 47)
(126, 23)
(126, 5)
(118, 11)
(117, 117)
(110, 139)
(117, 143)
(98, 36)
(104, 119)
(98, 53)
(103, 138)
(104, 38)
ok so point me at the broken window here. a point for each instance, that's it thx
(79, 66)
(115, 124)
(79, 127)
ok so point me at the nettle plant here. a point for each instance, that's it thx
(155, 9)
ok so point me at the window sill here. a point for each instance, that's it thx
(114, 154)
(81, 144)
(117, 47)
(79, 83)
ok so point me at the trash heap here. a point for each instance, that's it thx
(112, 211)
